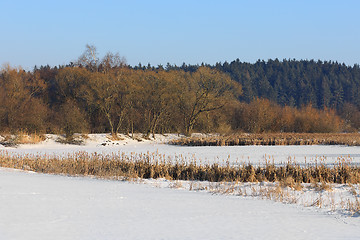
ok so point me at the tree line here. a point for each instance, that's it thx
(107, 95)
(297, 83)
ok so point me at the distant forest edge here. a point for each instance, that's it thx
(107, 95)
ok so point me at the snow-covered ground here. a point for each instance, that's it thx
(39, 206)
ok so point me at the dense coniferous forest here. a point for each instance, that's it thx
(298, 83)
(107, 95)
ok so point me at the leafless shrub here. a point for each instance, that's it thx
(21, 137)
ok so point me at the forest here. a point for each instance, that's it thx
(94, 94)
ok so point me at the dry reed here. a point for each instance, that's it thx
(155, 165)
(350, 139)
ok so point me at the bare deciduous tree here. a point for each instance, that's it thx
(203, 91)
(89, 58)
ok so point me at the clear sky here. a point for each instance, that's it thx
(191, 31)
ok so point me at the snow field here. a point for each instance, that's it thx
(40, 206)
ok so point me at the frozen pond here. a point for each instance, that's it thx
(204, 154)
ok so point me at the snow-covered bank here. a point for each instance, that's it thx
(39, 206)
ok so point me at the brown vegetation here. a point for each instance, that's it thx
(21, 137)
(262, 115)
(154, 165)
(350, 139)
(19, 106)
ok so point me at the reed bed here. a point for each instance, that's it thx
(350, 139)
(155, 165)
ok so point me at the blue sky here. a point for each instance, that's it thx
(191, 31)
